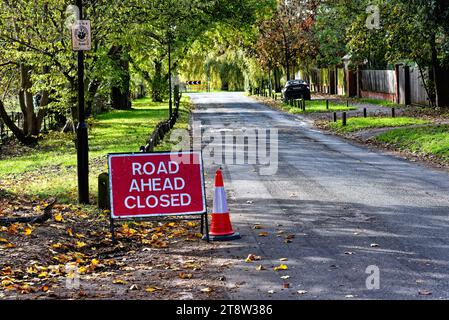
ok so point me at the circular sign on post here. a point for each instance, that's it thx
(81, 36)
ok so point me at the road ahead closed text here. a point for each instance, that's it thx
(155, 184)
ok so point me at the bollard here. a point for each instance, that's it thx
(103, 192)
(393, 112)
(365, 113)
(344, 120)
(303, 104)
(335, 117)
(347, 103)
(327, 104)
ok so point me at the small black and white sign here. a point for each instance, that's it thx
(193, 82)
(81, 36)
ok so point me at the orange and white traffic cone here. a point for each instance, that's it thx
(221, 228)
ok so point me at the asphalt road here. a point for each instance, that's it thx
(349, 208)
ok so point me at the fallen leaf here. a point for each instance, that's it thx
(183, 275)
(424, 293)
(28, 231)
(302, 292)
(257, 227)
(118, 281)
(374, 245)
(252, 257)
(263, 234)
(271, 291)
(206, 290)
(58, 217)
(260, 268)
(283, 259)
(153, 289)
(281, 267)
(349, 253)
(70, 232)
(286, 285)
(80, 244)
(349, 296)
(134, 287)
(285, 277)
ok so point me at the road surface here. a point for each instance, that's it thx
(349, 208)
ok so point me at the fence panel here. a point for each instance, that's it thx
(382, 81)
(418, 94)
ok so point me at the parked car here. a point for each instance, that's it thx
(296, 89)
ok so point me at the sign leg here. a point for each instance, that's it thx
(112, 228)
(206, 220)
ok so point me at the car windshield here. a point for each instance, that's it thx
(295, 83)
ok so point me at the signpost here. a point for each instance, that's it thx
(157, 185)
(81, 41)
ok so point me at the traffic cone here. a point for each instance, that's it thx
(221, 228)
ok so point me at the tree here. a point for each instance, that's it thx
(286, 38)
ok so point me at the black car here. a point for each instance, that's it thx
(296, 89)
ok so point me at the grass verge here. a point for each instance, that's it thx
(318, 106)
(357, 124)
(378, 102)
(50, 169)
(432, 140)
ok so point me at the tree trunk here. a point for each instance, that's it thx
(24, 98)
(157, 83)
(27, 140)
(120, 93)
(91, 93)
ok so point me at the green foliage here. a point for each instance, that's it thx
(51, 169)
(431, 140)
(319, 106)
(357, 124)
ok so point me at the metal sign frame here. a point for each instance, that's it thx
(161, 217)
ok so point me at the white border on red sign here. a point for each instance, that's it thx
(200, 155)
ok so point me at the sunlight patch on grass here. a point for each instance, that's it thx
(50, 169)
(357, 124)
(431, 140)
(378, 102)
(319, 106)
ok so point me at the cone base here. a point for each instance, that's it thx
(230, 237)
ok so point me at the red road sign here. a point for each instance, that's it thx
(158, 184)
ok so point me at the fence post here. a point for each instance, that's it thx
(344, 121)
(365, 113)
(335, 117)
(393, 112)
(327, 104)
(103, 191)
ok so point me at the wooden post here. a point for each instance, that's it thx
(335, 117)
(365, 113)
(344, 121)
(327, 104)
(103, 191)
(393, 112)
